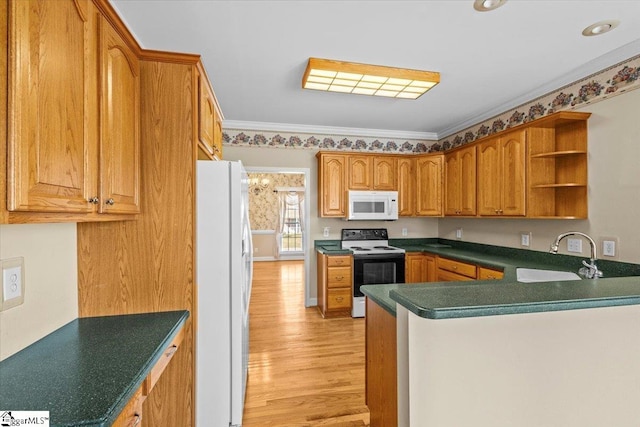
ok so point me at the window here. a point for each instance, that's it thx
(291, 240)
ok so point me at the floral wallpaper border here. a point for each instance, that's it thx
(615, 80)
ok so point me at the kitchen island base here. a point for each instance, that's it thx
(573, 368)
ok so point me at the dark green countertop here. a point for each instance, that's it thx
(441, 300)
(330, 247)
(85, 372)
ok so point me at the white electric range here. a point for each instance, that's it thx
(374, 261)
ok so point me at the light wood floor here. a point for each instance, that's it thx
(303, 370)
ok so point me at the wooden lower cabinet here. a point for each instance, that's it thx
(451, 270)
(419, 267)
(335, 285)
(381, 366)
(131, 415)
(485, 273)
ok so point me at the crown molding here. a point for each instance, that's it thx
(585, 71)
(327, 130)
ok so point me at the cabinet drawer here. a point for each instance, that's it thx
(131, 415)
(339, 261)
(159, 367)
(458, 267)
(448, 276)
(339, 299)
(485, 273)
(338, 277)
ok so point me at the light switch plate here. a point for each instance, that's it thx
(610, 246)
(12, 278)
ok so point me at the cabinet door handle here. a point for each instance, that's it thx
(339, 299)
(171, 350)
(340, 278)
(455, 267)
(110, 202)
(94, 200)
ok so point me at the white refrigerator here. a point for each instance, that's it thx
(224, 269)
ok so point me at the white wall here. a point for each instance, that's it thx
(51, 279)
(614, 189)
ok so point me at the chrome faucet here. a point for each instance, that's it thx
(590, 270)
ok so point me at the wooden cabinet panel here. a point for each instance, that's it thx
(467, 158)
(360, 172)
(120, 124)
(457, 267)
(339, 261)
(339, 277)
(331, 185)
(420, 267)
(513, 174)
(429, 185)
(485, 273)
(131, 415)
(52, 103)
(339, 299)
(489, 178)
(415, 270)
(381, 365)
(161, 365)
(448, 276)
(384, 173)
(206, 116)
(406, 186)
(334, 285)
(501, 175)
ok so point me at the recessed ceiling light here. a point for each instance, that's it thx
(487, 5)
(364, 79)
(600, 28)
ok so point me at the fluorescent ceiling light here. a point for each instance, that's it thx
(364, 79)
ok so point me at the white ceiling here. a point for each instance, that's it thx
(255, 53)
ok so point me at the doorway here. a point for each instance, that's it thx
(279, 213)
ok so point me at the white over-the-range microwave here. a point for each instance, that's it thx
(372, 205)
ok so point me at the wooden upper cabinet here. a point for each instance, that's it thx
(501, 175)
(429, 171)
(52, 106)
(384, 173)
(209, 117)
(120, 129)
(73, 115)
(406, 186)
(217, 134)
(206, 117)
(360, 168)
(460, 182)
(331, 185)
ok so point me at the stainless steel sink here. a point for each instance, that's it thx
(528, 275)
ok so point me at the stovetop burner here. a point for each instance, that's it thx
(368, 241)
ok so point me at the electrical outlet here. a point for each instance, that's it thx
(459, 233)
(525, 238)
(12, 283)
(610, 246)
(325, 232)
(574, 245)
(404, 232)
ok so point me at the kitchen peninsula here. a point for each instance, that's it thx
(505, 353)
